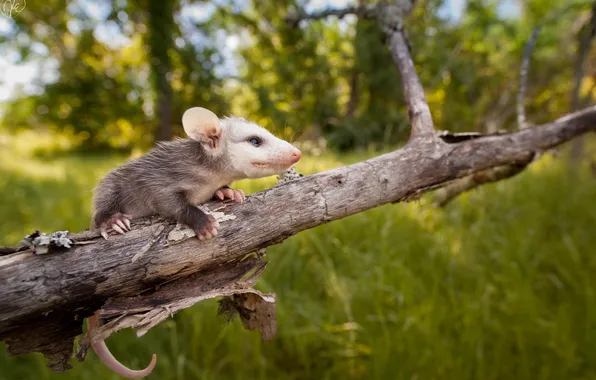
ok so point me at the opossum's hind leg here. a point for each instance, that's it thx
(229, 193)
(118, 222)
(103, 352)
(107, 206)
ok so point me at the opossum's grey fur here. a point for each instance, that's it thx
(163, 182)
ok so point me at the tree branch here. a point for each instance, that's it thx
(450, 192)
(45, 297)
(421, 120)
(445, 195)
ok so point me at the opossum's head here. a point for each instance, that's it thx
(253, 151)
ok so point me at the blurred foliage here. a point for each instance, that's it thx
(107, 93)
(499, 285)
(125, 70)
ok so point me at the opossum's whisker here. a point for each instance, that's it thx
(292, 137)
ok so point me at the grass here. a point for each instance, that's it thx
(499, 285)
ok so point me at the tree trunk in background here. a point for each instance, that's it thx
(353, 102)
(586, 35)
(161, 20)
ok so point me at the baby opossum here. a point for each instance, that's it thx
(174, 177)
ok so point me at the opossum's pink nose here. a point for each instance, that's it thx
(295, 155)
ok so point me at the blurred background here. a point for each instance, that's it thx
(499, 284)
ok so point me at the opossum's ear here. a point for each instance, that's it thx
(202, 125)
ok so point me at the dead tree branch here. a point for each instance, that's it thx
(466, 184)
(585, 38)
(450, 192)
(139, 279)
(45, 297)
(421, 120)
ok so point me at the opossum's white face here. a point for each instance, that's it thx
(254, 151)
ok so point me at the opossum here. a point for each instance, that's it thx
(176, 176)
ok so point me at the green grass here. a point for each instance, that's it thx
(499, 285)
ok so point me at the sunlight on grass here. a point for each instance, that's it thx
(501, 284)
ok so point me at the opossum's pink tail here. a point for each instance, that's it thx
(103, 352)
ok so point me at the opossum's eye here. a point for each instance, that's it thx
(255, 141)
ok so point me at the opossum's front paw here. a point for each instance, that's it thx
(228, 193)
(118, 222)
(206, 228)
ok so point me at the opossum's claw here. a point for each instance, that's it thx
(206, 234)
(118, 222)
(242, 196)
(117, 228)
(228, 193)
(121, 224)
(207, 229)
